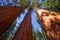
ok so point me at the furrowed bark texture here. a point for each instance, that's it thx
(24, 32)
(7, 16)
(50, 23)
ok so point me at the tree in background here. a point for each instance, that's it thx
(42, 31)
(35, 3)
(24, 2)
(37, 35)
(53, 5)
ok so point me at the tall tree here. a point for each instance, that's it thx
(50, 23)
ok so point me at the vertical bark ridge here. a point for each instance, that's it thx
(24, 32)
(7, 16)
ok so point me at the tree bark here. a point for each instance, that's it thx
(24, 31)
(50, 23)
(7, 16)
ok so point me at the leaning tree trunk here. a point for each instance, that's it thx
(7, 16)
(24, 32)
(50, 23)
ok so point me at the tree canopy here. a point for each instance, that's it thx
(51, 4)
(24, 2)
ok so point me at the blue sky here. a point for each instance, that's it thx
(34, 21)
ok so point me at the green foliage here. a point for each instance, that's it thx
(43, 35)
(37, 19)
(35, 3)
(30, 7)
(51, 4)
(6, 36)
(24, 2)
(37, 35)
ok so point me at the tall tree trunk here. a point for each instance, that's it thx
(24, 32)
(50, 23)
(7, 16)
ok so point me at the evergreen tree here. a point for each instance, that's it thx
(37, 35)
(53, 5)
(24, 2)
(35, 3)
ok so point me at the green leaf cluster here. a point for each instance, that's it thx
(24, 2)
(37, 35)
(51, 4)
(35, 3)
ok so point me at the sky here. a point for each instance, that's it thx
(34, 21)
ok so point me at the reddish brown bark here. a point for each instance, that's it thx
(24, 32)
(50, 23)
(7, 15)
